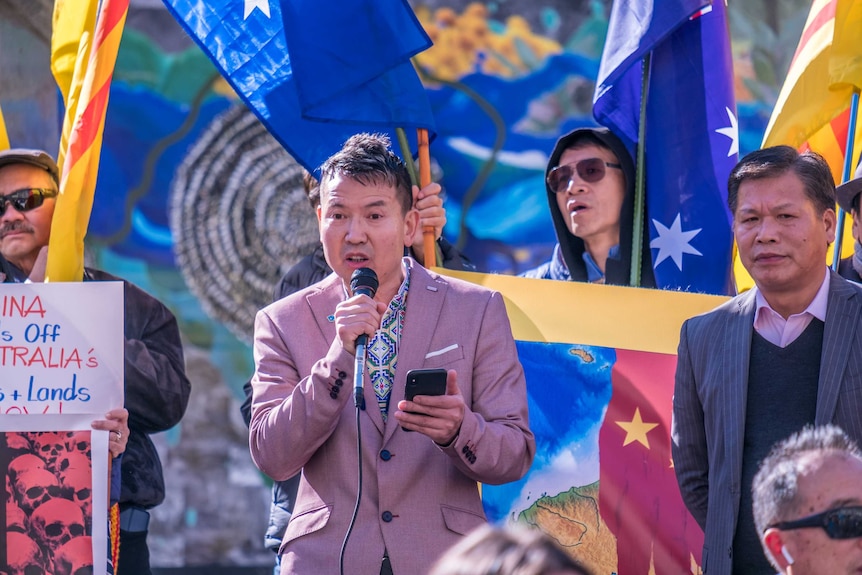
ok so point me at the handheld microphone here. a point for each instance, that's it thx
(362, 282)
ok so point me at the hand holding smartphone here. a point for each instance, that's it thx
(430, 381)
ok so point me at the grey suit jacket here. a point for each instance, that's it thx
(709, 405)
(417, 498)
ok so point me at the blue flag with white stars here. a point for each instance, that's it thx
(692, 138)
(316, 72)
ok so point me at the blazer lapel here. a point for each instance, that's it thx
(842, 317)
(424, 306)
(736, 356)
(322, 305)
(323, 302)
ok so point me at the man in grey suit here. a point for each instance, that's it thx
(420, 460)
(769, 361)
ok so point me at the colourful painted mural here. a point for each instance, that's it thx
(200, 206)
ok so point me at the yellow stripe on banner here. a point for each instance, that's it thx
(590, 314)
(4, 136)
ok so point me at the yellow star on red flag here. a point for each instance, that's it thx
(636, 429)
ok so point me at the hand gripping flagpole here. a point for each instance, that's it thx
(429, 242)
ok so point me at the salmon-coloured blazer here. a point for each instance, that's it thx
(418, 498)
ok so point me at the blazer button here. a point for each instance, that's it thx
(385, 455)
(386, 516)
(339, 382)
(342, 374)
(333, 395)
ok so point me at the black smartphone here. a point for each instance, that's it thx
(424, 382)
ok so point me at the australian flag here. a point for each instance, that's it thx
(692, 137)
(316, 72)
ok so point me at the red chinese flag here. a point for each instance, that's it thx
(639, 498)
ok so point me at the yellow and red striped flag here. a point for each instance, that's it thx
(4, 136)
(824, 72)
(84, 45)
(813, 107)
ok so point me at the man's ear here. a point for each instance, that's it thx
(775, 543)
(411, 226)
(830, 222)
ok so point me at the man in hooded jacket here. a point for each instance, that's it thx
(590, 183)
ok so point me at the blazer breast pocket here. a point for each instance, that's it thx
(444, 356)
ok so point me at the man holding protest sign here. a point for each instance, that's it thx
(156, 387)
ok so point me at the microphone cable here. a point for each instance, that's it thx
(363, 281)
(358, 495)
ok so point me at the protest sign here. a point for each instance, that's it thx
(61, 348)
(61, 367)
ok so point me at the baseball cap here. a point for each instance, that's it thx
(848, 191)
(36, 158)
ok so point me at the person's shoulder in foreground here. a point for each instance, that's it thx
(508, 550)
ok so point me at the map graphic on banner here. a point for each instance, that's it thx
(599, 363)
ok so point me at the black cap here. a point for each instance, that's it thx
(36, 158)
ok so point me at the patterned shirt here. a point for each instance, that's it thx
(383, 348)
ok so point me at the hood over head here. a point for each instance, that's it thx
(617, 272)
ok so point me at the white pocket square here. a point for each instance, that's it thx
(441, 351)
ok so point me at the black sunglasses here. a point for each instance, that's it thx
(26, 199)
(590, 170)
(840, 523)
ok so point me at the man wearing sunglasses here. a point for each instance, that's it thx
(808, 503)
(770, 361)
(156, 387)
(589, 185)
(28, 191)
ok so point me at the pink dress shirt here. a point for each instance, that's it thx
(782, 332)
